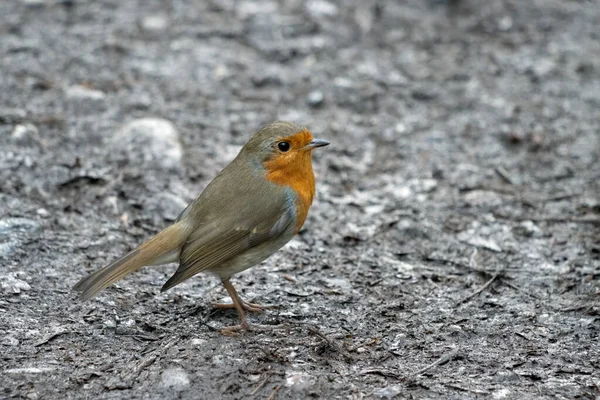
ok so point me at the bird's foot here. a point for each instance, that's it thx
(250, 307)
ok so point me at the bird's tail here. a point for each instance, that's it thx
(161, 249)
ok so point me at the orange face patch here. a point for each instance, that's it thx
(293, 168)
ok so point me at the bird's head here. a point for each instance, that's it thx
(282, 146)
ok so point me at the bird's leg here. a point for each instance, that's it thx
(237, 303)
(240, 306)
(250, 307)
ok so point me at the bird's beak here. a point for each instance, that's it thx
(316, 143)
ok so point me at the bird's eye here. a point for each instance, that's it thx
(283, 146)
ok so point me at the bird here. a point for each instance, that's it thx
(250, 210)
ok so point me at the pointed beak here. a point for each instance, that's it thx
(316, 143)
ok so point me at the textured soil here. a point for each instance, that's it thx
(453, 249)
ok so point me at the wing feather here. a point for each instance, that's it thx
(206, 251)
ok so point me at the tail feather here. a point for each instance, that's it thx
(161, 249)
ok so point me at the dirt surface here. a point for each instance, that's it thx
(453, 250)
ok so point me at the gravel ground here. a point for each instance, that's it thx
(453, 250)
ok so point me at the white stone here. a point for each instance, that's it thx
(31, 370)
(24, 131)
(321, 8)
(10, 341)
(388, 392)
(152, 142)
(154, 23)
(299, 380)
(175, 378)
(501, 394)
(13, 285)
(83, 100)
(79, 92)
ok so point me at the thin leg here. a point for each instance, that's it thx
(250, 307)
(240, 306)
(237, 303)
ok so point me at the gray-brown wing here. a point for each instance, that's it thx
(210, 246)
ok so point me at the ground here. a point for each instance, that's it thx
(453, 248)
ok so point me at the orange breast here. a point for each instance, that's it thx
(294, 169)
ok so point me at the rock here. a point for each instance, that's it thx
(482, 198)
(388, 392)
(479, 241)
(338, 283)
(84, 101)
(299, 380)
(175, 378)
(24, 133)
(12, 115)
(149, 142)
(154, 23)
(505, 24)
(10, 341)
(42, 212)
(34, 3)
(13, 231)
(315, 99)
(29, 370)
(528, 228)
(360, 232)
(319, 8)
(501, 393)
(110, 324)
(12, 285)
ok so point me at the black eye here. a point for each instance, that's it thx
(283, 146)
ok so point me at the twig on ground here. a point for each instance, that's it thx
(260, 385)
(465, 389)
(504, 175)
(383, 372)
(51, 336)
(481, 289)
(320, 334)
(337, 348)
(442, 360)
(518, 289)
(272, 395)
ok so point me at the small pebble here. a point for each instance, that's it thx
(388, 392)
(319, 8)
(175, 378)
(150, 142)
(12, 285)
(23, 132)
(315, 99)
(12, 115)
(154, 23)
(10, 341)
(84, 101)
(299, 380)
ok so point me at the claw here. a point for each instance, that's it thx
(250, 307)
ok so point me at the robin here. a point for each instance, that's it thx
(251, 209)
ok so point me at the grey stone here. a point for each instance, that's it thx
(150, 142)
(315, 98)
(84, 101)
(175, 378)
(154, 23)
(10, 284)
(12, 115)
(388, 392)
